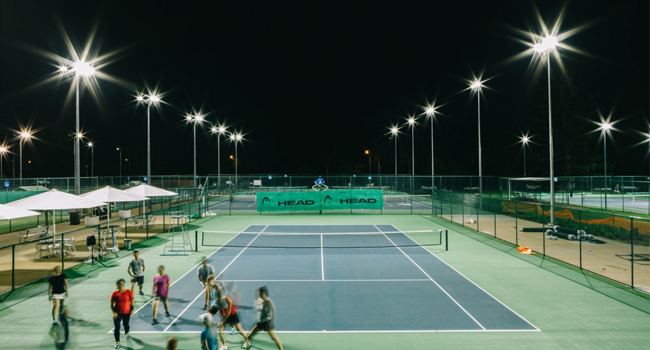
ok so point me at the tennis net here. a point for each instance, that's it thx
(407, 200)
(325, 240)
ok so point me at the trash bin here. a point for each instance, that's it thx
(75, 218)
(127, 243)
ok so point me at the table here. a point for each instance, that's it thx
(50, 242)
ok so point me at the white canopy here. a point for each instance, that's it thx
(55, 200)
(109, 194)
(9, 213)
(150, 191)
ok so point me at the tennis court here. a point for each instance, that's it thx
(338, 278)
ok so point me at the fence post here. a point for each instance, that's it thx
(196, 241)
(495, 221)
(126, 229)
(146, 221)
(62, 251)
(580, 240)
(13, 267)
(632, 251)
(462, 207)
(516, 225)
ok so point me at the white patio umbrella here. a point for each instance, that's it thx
(149, 191)
(108, 195)
(10, 213)
(55, 200)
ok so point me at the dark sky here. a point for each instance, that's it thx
(312, 84)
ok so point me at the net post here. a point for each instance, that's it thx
(446, 240)
(196, 241)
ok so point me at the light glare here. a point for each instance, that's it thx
(84, 69)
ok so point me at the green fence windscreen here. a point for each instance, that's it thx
(320, 200)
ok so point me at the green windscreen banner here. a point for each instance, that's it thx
(320, 200)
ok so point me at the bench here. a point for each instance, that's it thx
(32, 232)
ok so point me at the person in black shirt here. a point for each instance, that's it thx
(57, 291)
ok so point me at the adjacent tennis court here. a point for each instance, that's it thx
(338, 278)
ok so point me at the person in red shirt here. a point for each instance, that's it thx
(229, 316)
(122, 304)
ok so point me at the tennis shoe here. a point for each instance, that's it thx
(128, 335)
(223, 347)
(53, 321)
(117, 344)
(166, 313)
(205, 307)
(233, 331)
(246, 345)
(154, 322)
(141, 293)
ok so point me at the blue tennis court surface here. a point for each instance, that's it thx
(337, 278)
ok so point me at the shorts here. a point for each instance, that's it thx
(266, 326)
(60, 296)
(160, 298)
(138, 279)
(232, 320)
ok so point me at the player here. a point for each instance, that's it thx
(160, 293)
(57, 291)
(122, 304)
(229, 317)
(265, 316)
(136, 271)
(206, 276)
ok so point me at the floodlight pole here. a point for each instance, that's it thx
(92, 161)
(21, 159)
(605, 157)
(149, 141)
(195, 157)
(219, 161)
(480, 159)
(413, 148)
(77, 180)
(550, 141)
(236, 164)
(395, 136)
(524, 159)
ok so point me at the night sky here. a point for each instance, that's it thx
(312, 84)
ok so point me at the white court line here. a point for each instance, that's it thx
(364, 331)
(216, 277)
(190, 270)
(252, 205)
(479, 287)
(432, 280)
(367, 280)
(322, 263)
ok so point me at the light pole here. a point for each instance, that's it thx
(3, 152)
(394, 131)
(524, 141)
(606, 128)
(236, 138)
(148, 100)
(23, 137)
(545, 47)
(476, 87)
(120, 179)
(367, 152)
(219, 131)
(194, 119)
(430, 112)
(411, 122)
(92, 158)
(79, 69)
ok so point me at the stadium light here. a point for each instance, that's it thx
(80, 69)
(411, 122)
(430, 111)
(24, 136)
(3, 152)
(236, 138)
(394, 131)
(151, 99)
(476, 86)
(606, 128)
(219, 130)
(524, 142)
(194, 119)
(92, 158)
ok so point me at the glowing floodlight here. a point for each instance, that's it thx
(83, 68)
(547, 44)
